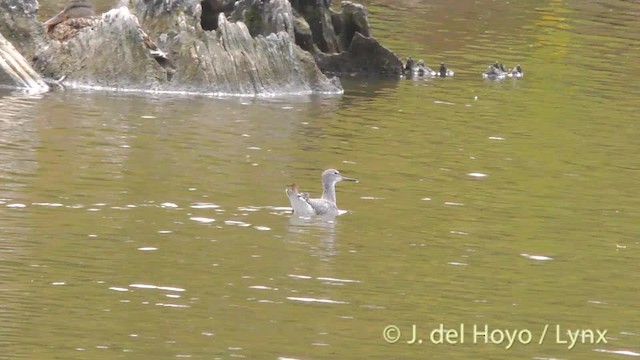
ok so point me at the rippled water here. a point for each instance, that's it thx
(149, 227)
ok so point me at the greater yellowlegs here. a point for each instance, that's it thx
(326, 205)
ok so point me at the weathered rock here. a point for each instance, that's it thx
(109, 53)
(254, 52)
(353, 18)
(336, 21)
(264, 18)
(302, 33)
(15, 71)
(365, 56)
(318, 16)
(328, 35)
(229, 60)
(211, 9)
(19, 25)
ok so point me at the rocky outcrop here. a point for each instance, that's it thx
(360, 53)
(248, 47)
(318, 15)
(231, 60)
(264, 18)
(108, 52)
(353, 19)
(19, 25)
(113, 51)
(211, 10)
(341, 42)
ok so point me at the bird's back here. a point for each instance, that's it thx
(323, 207)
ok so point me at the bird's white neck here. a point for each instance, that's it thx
(329, 191)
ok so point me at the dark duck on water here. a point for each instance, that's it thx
(444, 72)
(495, 72)
(417, 68)
(516, 72)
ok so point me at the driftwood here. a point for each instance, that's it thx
(15, 71)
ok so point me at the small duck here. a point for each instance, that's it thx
(495, 72)
(424, 70)
(417, 68)
(443, 71)
(516, 72)
(73, 17)
(410, 66)
(302, 205)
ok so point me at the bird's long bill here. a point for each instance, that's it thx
(344, 178)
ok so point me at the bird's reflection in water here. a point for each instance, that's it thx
(303, 229)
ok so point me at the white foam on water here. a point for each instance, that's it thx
(299, 276)
(537, 257)
(47, 204)
(114, 288)
(306, 299)
(173, 305)
(337, 280)
(149, 286)
(204, 206)
(203, 220)
(619, 352)
(450, 203)
(236, 223)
